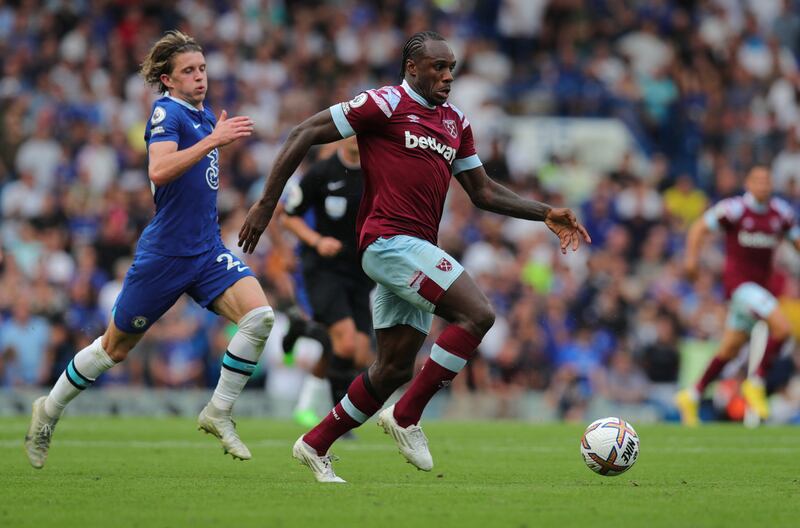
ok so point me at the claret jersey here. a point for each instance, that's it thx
(752, 234)
(409, 150)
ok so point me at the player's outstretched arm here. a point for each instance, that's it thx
(315, 130)
(166, 163)
(489, 195)
(792, 234)
(694, 242)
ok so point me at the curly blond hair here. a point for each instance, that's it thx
(160, 59)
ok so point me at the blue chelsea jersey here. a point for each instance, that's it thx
(186, 220)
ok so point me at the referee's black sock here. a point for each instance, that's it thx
(319, 333)
(297, 327)
(341, 373)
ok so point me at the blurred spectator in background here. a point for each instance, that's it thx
(626, 381)
(786, 168)
(659, 355)
(24, 338)
(579, 375)
(684, 202)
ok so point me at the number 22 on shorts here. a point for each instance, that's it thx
(230, 262)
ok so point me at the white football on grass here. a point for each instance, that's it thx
(610, 446)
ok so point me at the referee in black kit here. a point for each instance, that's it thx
(337, 287)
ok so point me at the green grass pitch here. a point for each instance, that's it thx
(137, 472)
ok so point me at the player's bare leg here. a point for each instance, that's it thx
(245, 304)
(753, 388)
(688, 400)
(394, 366)
(87, 365)
(470, 315)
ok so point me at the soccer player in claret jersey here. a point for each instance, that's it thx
(180, 251)
(754, 224)
(411, 141)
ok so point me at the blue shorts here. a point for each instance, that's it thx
(154, 283)
(412, 274)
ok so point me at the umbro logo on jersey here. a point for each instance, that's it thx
(427, 142)
(413, 118)
(335, 186)
(196, 125)
(444, 265)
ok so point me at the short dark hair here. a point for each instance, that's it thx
(413, 47)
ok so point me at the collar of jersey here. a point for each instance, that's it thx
(415, 96)
(754, 204)
(182, 103)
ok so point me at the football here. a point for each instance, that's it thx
(610, 446)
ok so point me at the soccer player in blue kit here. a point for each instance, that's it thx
(180, 251)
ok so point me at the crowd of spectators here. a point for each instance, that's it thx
(706, 88)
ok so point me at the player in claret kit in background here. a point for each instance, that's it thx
(338, 289)
(754, 224)
(411, 141)
(180, 251)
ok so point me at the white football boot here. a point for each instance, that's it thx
(220, 424)
(410, 440)
(40, 432)
(320, 466)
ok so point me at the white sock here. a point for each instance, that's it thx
(241, 358)
(81, 372)
(309, 392)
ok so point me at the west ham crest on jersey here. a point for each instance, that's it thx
(450, 125)
(444, 265)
